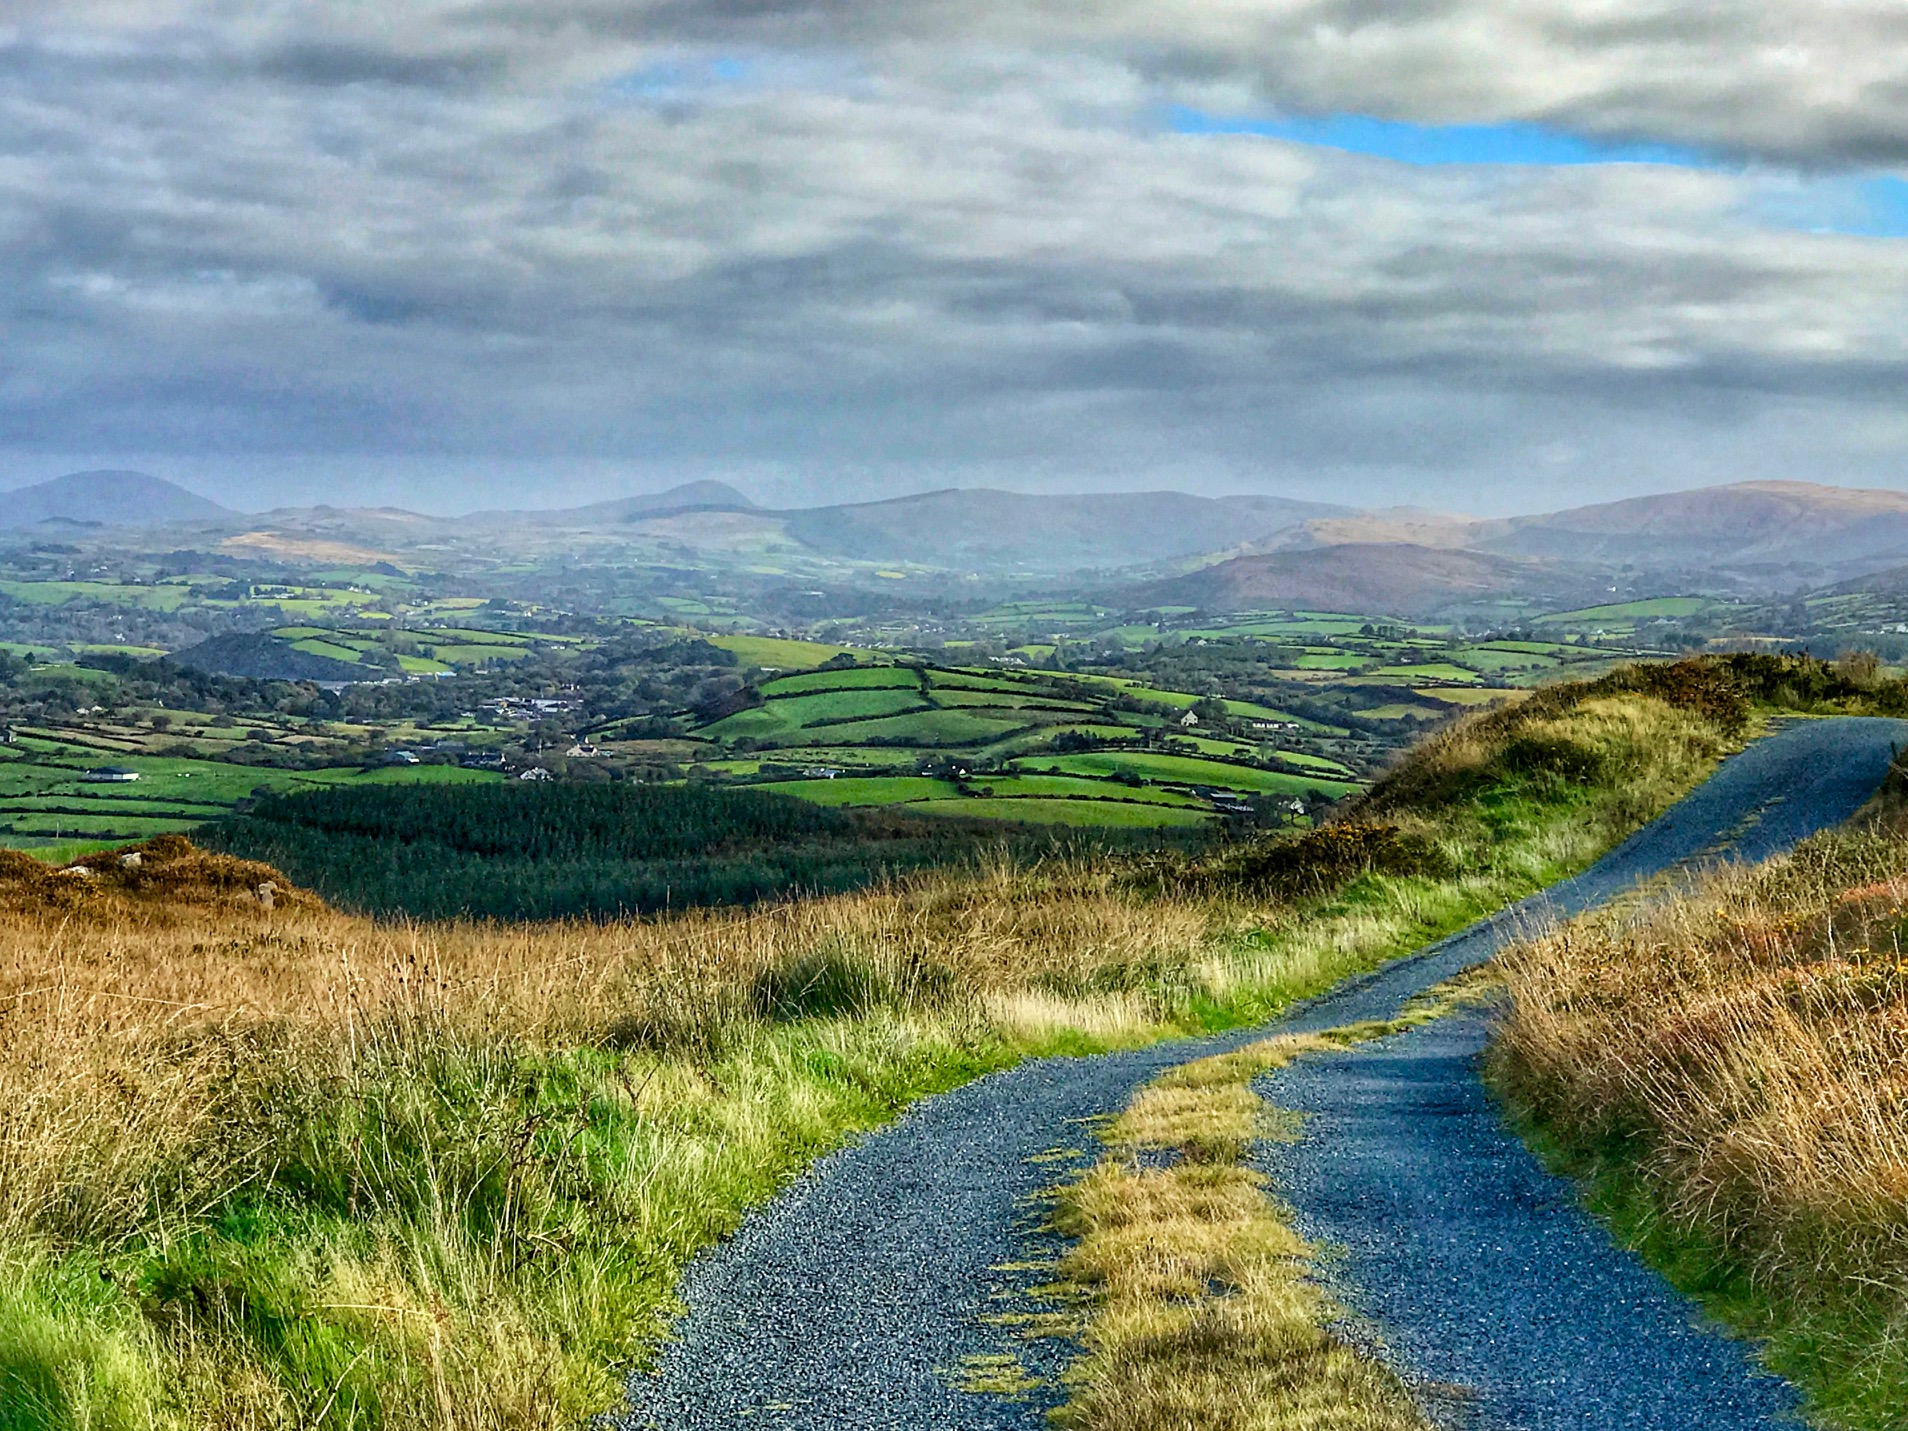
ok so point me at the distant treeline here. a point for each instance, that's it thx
(558, 851)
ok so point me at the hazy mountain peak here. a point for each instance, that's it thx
(107, 498)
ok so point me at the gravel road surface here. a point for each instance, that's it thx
(1476, 1271)
(857, 1299)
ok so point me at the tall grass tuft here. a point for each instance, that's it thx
(1730, 1068)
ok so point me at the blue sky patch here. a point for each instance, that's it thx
(1429, 144)
(679, 78)
(1869, 206)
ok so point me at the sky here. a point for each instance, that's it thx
(1495, 255)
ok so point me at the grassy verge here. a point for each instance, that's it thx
(1200, 1312)
(1724, 1070)
(266, 1167)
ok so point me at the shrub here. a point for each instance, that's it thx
(1325, 860)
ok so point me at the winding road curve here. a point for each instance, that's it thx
(854, 1300)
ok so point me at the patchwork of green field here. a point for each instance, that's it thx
(46, 801)
(917, 724)
(168, 597)
(414, 650)
(1628, 611)
(1014, 614)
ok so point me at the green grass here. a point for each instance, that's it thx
(1313, 762)
(1492, 662)
(58, 593)
(860, 678)
(1468, 697)
(464, 654)
(172, 794)
(770, 652)
(852, 790)
(1662, 606)
(334, 650)
(823, 706)
(1011, 787)
(1085, 814)
(1429, 671)
(1017, 702)
(927, 730)
(1183, 769)
(764, 721)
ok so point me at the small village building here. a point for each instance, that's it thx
(536, 773)
(1189, 720)
(110, 775)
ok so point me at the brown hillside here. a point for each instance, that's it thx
(1387, 578)
(1780, 523)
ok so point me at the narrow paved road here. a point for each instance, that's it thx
(854, 1300)
(1476, 1271)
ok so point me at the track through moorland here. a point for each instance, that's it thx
(861, 1297)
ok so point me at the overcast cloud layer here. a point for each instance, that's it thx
(454, 254)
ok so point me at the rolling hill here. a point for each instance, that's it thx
(1394, 578)
(1753, 538)
(988, 529)
(1811, 530)
(107, 499)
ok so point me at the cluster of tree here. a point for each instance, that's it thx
(557, 851)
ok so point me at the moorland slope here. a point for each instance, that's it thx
(263, 1162)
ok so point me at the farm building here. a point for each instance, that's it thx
(110, 775)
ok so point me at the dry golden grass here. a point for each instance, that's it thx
(1200, 1312)
(1733, 1064)
(126, 1018)
(173, 1053)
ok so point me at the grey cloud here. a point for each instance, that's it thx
(963, 261)
(1812, 82)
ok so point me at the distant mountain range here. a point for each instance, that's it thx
(1393, 577)
(1168, 548)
